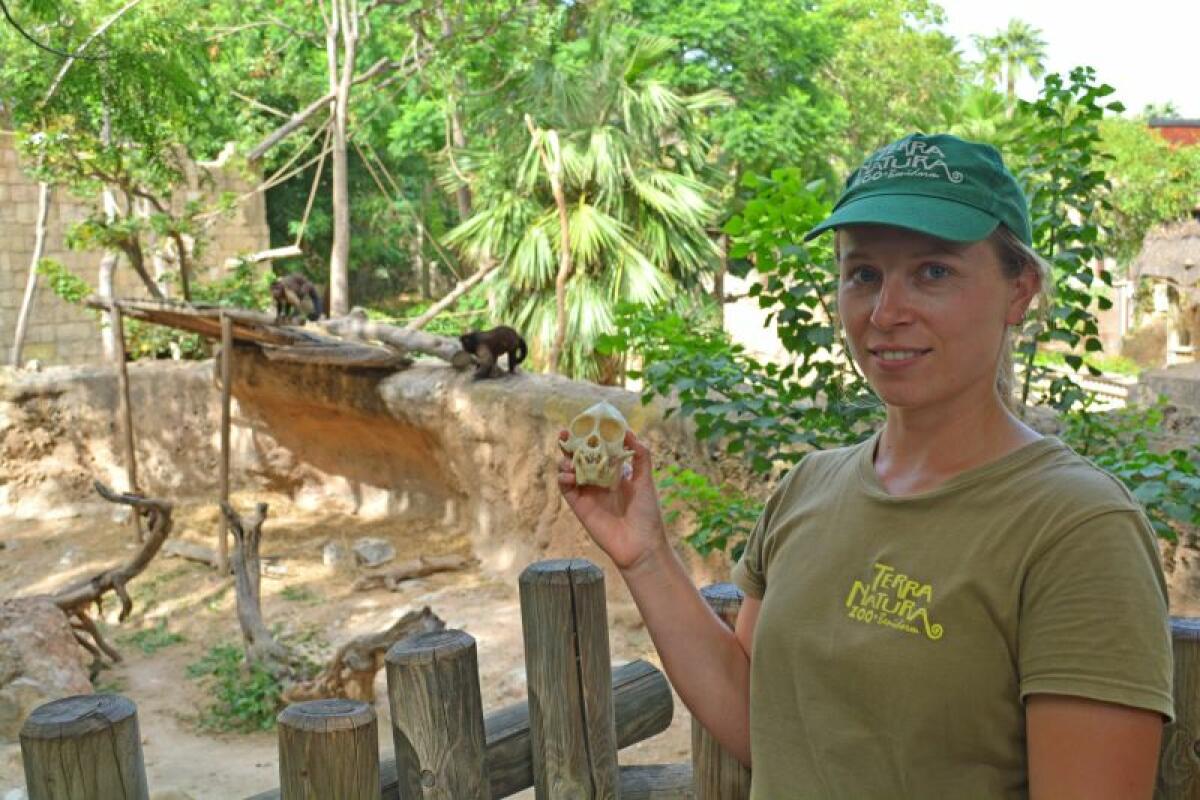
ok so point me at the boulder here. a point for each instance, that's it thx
(40, 660)
(373, 552)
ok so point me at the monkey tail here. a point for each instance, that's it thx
(317, 310)
(520, 352)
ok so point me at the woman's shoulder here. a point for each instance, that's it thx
(1076, 480)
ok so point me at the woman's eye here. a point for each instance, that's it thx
(935, 271)
(862, 275)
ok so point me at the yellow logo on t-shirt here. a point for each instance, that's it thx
(894, 600)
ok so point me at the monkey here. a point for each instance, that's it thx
(295, 297)
(488, 346)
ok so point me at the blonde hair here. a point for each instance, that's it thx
(1016, 257)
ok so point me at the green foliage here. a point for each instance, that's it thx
(1166, 483)
(1067, 187)
(722, 518)
(64, 283)
(151, 640)
(246, 698)
(1153, 182)
(244, 286)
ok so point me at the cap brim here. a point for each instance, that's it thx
(935, 216)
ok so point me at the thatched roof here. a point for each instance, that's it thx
(1171, 251)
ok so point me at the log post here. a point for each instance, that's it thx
(1179, 760)
(329, 748)
(226, 373)
(85, 747)
(437, 717)
(125, 410)
(569, 680)
(717, 774)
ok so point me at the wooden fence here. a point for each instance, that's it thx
(563, 740)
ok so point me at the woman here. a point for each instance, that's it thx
(957, 607)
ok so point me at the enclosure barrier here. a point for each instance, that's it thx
(563, 741)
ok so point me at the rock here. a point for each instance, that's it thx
(40, 660)
(335, 557)
(171, 794)
(373, 552)
(16, 794)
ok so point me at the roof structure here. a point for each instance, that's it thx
(1171, 252)
(1177, 131)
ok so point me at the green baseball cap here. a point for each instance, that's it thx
(939, 185)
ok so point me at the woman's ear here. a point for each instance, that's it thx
(1023, 289)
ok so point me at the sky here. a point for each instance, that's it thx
(1146, 50)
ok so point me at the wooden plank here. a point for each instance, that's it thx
(1179, 760)
(338, 354)
(329, 748)
(568, 675)
(642, 705)
(657, 782)
(437, 717)
(717, 773)
(84, 747)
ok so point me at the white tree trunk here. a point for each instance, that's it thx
(39, 247)
(341, 25)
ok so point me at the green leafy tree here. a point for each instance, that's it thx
(606, 196)
(1153, 182)
(1016, 50)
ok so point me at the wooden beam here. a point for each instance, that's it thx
(126, 413)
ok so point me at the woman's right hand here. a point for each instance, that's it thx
(625, 521)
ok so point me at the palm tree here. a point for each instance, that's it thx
(605, 196)
(1018, 48)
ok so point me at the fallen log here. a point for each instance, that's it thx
(355, 325)
(407, 570)
(642, 707)
(191, 551)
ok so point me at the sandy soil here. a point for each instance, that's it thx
(310, 605)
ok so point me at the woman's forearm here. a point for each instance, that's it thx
(703, 658)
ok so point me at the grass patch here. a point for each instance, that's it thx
(300, 594)
(246, 698)
(114, 684)
(151, 640)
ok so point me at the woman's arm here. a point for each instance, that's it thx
(1082, 748)
(707, 663)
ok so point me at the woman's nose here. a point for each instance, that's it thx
(892, 306)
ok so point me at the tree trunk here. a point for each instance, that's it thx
(342, 25)
(260, 645)
(552, 161)
(108, 264)
(458, 137)
(39, 247)
(719, 278)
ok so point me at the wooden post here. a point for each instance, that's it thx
(437, 717)
(329, 748)
(569, 680)
(716, 773)
(1179, 761)
(125, 411)
(85, 747)
(226, 373)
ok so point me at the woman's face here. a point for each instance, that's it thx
(926, 318)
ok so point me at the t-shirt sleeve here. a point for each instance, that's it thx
(750, 573)
(1094, 620)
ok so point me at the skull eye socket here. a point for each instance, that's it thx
(582, 426)
(611, 430)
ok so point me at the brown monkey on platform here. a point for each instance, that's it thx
(488, 346)
(295, 298)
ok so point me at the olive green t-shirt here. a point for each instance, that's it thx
(898, 636)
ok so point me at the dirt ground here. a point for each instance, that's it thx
(309, 604)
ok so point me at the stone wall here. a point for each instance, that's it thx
(58, 332)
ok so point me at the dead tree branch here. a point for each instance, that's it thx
(351, 672)
(77, 598)
(406, 571)
(259, 643)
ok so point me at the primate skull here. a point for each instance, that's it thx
(597, 446)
